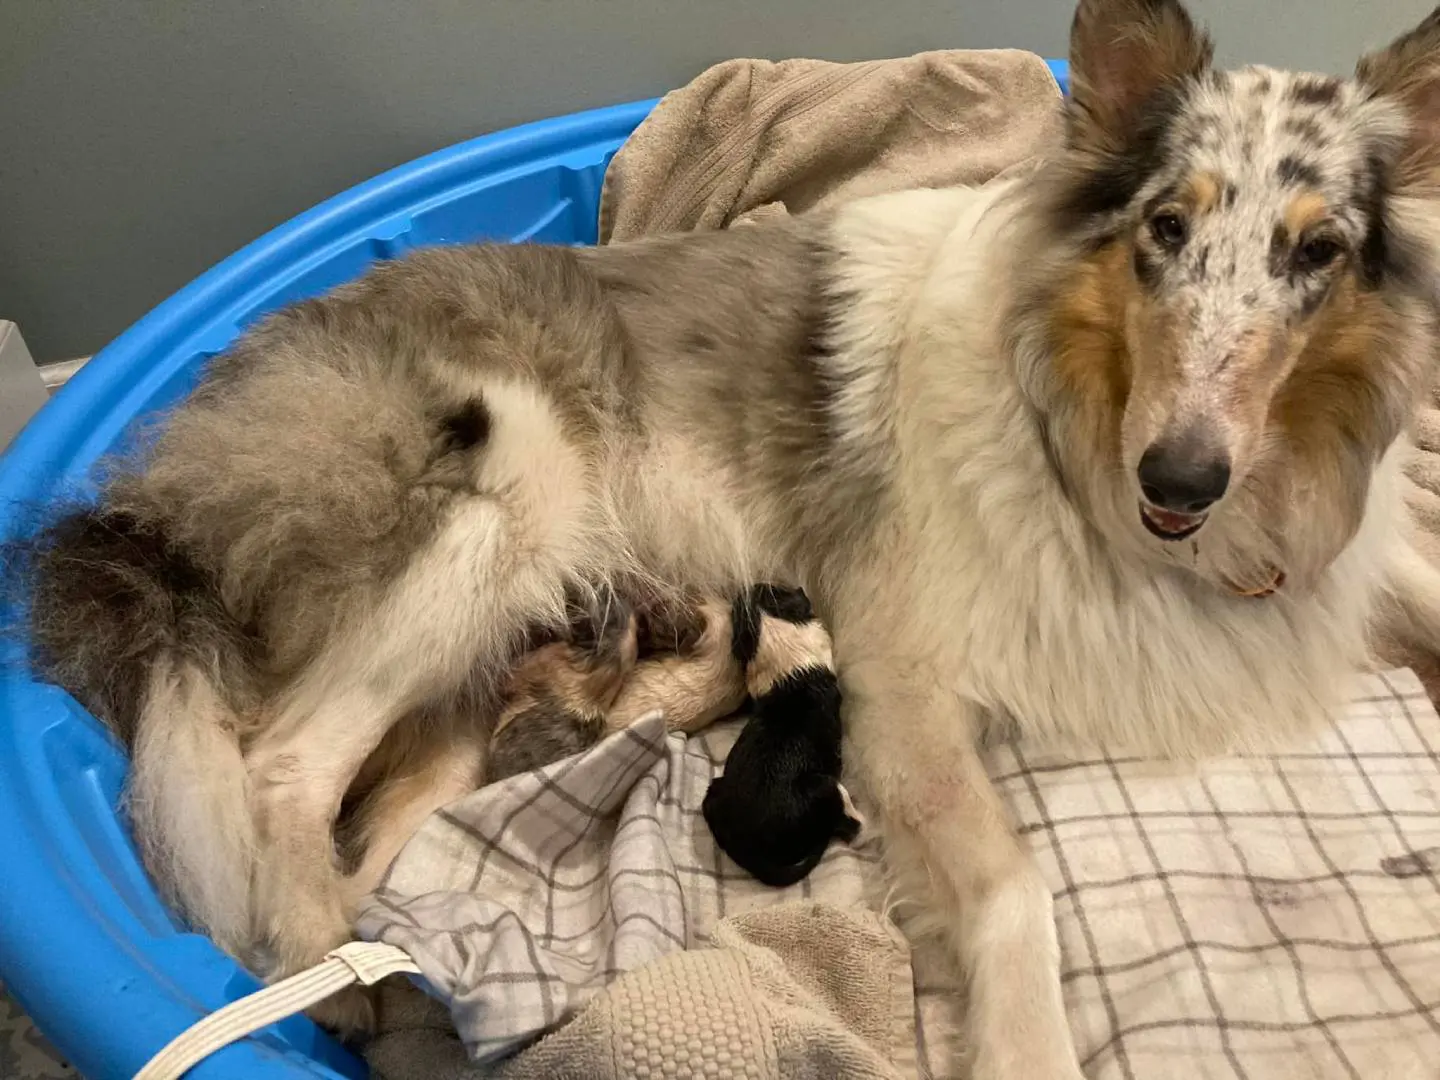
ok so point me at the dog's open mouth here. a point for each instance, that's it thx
(1168, 525)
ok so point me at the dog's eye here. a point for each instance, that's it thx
(1316, 253)
(1169, 229)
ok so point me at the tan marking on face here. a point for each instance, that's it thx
(1125, 351)
(1305, 210)
(1347, 398)
(1089, 332)
(1203, 192)
(1334, 387)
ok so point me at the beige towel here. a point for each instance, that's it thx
(802, 991)
(799, 134)
(799, 992)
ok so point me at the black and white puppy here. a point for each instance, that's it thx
(779, 802)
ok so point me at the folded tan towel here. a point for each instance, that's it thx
(801, 991)
(799, 134)
(798, 992)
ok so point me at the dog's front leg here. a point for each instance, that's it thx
(950, 848)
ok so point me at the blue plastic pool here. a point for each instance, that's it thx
(86, 946)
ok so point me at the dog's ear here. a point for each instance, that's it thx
(1123, 53)
(1408, 71)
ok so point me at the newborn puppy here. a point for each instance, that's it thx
(618, 660)
(561, 692)
(780, 802)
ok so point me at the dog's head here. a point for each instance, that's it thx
(1244, 313)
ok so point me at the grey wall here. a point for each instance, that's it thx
(142, 140)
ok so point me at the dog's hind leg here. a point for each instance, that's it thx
(952, 853)
(497, 563)
(432, 775)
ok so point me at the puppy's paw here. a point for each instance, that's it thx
(602, 624)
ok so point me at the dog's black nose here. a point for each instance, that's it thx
(1185, 475)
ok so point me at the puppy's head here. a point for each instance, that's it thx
(1239, 321)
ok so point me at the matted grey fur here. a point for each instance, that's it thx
(1110, 454)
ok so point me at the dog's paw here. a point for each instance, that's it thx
(300, 937)
(349, 1014)
(298, 928)
(300, 913)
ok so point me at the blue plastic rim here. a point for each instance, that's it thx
(86, 946)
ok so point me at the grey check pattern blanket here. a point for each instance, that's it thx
(1259, 918)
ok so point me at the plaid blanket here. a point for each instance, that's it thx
(1275, 917)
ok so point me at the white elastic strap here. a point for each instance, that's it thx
(364, 962)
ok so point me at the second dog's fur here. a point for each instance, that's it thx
(1108, 453)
